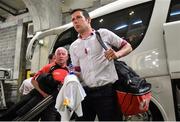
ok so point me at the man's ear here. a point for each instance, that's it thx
(89, 20)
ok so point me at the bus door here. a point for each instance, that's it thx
(172, 44)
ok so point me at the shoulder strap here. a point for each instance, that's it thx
(98, 36)
(56, 66)
(119, 63)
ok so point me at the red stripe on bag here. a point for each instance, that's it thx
(133, 104)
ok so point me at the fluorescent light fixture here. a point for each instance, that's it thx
(175, 13)
(131, 13)
(121, 27)
(137, 22)
(101, 20)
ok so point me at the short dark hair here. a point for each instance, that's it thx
(50, 56)
(84, 12)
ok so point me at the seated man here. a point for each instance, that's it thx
(61, 55)
(58, 70)
(59, 74)
(26, 85)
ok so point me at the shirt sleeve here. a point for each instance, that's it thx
(112, 38)
(43, 70)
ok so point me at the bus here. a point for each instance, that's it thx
(151, 27)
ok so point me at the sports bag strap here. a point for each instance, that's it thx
(56, 66)
(98, 36)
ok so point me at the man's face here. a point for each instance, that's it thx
(80, 23)
(61, 57)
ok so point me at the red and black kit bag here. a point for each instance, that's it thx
(133, 92)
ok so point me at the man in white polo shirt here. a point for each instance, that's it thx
(96, 67)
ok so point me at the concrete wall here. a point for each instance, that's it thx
(7, 46)
(11, 40)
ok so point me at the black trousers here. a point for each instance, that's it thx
(100, 101)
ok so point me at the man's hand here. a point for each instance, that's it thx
(110, 54)
(44, 94)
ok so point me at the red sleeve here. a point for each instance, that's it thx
(45, 69)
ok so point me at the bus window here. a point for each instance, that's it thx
(65, 39)
(174, 11)
(130, 23)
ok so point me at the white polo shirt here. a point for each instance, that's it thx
(87, 53)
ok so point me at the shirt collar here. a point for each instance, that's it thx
(92, 33)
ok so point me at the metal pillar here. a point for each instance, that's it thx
(2, 97)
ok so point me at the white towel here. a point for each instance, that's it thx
(70, 97)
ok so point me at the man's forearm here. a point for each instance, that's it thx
(126, 49)
(36, 86)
